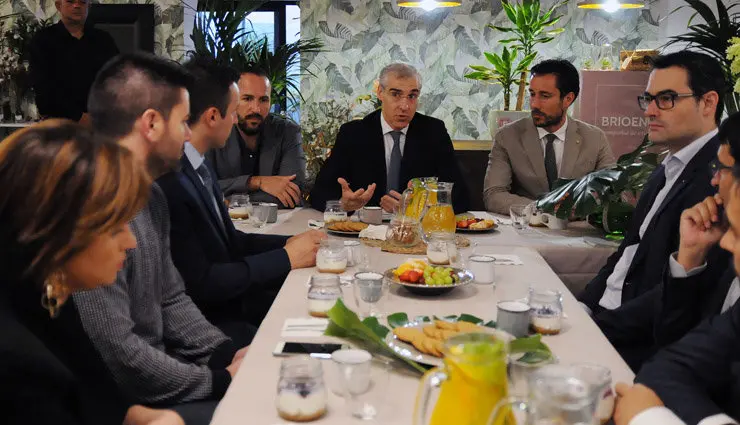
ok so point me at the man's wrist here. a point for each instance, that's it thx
(690, 259)
(254, 183)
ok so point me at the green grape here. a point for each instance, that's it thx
(448, 270)
(439, 269)
(440, 281)
(448, 280)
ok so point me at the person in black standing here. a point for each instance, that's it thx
(64, 59)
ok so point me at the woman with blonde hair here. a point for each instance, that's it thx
(65, 201)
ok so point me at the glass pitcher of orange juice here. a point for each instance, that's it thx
(471, 383)
(439, 215)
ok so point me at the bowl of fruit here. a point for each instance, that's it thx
(422, 278)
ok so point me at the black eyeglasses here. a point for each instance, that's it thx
(716, 166)
(663, 101)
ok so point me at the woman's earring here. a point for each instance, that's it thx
(54, 293)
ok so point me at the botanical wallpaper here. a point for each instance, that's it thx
(362, 36)
(168, 20)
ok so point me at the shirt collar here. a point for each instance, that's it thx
(387, 127)
(192, 154)
(689, 151)
(560, 133)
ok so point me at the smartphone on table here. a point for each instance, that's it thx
(321, 351)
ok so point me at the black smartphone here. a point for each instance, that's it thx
(322, 351)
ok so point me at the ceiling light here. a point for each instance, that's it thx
(429, 4)
(610, 6)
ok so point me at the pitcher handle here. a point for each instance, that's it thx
(501, 414)
(429, 382)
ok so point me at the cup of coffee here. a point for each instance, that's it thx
(513, 317)
(272, 214)
(371, 215)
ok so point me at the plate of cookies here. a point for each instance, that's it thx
(346, 228)
(423, 342)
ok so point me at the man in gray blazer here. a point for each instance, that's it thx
(530, 154)
(263, 156)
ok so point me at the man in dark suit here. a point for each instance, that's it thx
(263, 155)
(374, 158)
(699, 282)
(230, 275)
(684, 103)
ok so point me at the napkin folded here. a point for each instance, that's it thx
(304, 327)
(374, 232)
(504, 260)
(315, 224)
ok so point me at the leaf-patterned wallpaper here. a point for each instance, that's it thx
(362, 36)
(168, 20)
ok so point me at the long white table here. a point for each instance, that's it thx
(251, 396)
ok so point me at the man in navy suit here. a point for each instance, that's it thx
(374, 158)
(684, 103)
(232, 276)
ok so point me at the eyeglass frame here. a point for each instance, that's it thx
(652, 98)
(716, 166)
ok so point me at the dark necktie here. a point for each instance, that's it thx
(208, 183)
(394, 168)
(551, 165)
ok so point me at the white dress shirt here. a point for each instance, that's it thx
(388, 139)
(663, 416)
(678, 271)
(557, 144)
(674, 165)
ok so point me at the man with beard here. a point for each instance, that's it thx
(530, 154)
(158, 346)
(263, 156)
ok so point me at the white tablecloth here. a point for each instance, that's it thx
(251, 396)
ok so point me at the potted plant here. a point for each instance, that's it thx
(504, 72)
(713, 38)
(530, 28)
(607, 197)
(733, 54)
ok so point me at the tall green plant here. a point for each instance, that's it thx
(503, 71)
(713, 38)
(529, 30)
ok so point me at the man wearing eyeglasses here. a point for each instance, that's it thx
(683, 102)
(64, 59)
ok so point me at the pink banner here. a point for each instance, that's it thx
(608, 100)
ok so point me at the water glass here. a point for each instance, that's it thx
(334, 212)
(357, 256)
(518, 215)
(482, 267)
(364, 382)
(239, 207)
(259, 216)
(600, 378)
(369, 289)
(440, 247)
(522, 366)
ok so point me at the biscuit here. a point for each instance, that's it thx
(408, 334)
(443, 324)
(467, 327)
(431, 331)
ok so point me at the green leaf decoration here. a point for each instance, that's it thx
(376, 327)
(534, 357)
(397, 319)
(490, 324)
(469, 318)
(527, 344)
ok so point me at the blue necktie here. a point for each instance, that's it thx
(394, 168)
(208, 183)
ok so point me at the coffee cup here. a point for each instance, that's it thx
(371, 215)
(553, 222)
(513, 317)
(272, 214)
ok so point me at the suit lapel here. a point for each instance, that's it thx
(376, 150)
(719, 295)
(191, 182)
(571, 149)
(533, 149)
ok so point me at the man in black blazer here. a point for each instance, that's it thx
(684, 103)
(374, 158)
(231, 276)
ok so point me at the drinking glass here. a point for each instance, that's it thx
(482, 267)
(323, 292)
(334, 212)
(364, 382)
(521, 367)
(546, 312)
(259, 215)
(301, 392)
(369, 289)
(439, 247)
(600, 378)
(239, 207)
(518, 215)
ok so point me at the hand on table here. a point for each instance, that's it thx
(240, 354)
(302, 248)
(141, 415)
(283, 188)
(633, 400)
(352, 201)
(700, 228)
(234, 367)
(390, 202)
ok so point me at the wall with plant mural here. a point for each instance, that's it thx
(168, 20)
(362, 36)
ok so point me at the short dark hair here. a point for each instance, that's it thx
(729, 133)
(210, 87)
(256, 70)
(705, 74)
(566, 75)
(128, 85)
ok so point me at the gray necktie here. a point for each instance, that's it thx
(394, 168)
(208, 183)
(551, 165)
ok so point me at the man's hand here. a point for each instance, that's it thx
(352, 201)
(281, 187)
(240, 354)
(85, 120)
(234, 367)
(700, 231)
(633, 400)
(302, 248)
(140, 415)
(390, 202)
